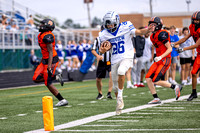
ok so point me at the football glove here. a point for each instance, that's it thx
(180, 50)
(50, 73)
(156, 59)
(172, 45)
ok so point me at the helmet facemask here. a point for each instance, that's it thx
(111, 18)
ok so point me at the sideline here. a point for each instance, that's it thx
(105, 115)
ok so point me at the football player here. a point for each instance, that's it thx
(45, 72)
(161, 41)
(122, 51)
(195, 33)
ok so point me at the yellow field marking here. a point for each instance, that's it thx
(39, 92)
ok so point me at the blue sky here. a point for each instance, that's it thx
(77, 10)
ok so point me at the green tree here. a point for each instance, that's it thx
(96, 21)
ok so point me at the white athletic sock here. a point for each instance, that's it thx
(120, 92)
(128, 82)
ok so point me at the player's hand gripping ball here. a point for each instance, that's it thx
(107, 45)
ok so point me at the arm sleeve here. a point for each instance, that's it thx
(48, 39)
(163, 37)
(131, 28)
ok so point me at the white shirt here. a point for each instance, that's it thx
(147, 48)
(122, 46)
(187, 43)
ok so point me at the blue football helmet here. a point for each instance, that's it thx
(111, 17)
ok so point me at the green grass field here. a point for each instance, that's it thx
(21, 110)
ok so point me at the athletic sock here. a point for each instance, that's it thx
(194, 91)
(173, 86)
(59, 97)
(120, 92)
(128, 82)
(108, 93)
(155, 95)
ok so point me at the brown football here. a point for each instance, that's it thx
(106, 44)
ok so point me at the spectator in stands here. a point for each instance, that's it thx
(14, 26)
(27, 35)
(186, 57)
(68, 55)
(74, 56)
(34, 60)
(3, 22)
(59, 49)
(30, 21)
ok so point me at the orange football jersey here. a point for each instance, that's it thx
(159, 39)
(45, 38)
(195, 34)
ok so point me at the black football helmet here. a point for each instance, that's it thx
(158, 21)
(196, 16)
(46, 25)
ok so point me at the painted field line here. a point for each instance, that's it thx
(21, 114)
(3, 118)
(105, 115)
(169, 107)
(139, 113)
(172, 110)
(126, 130)
(101, 125)
(124, 117)
(118, 121)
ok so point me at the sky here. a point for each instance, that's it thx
(77, 10)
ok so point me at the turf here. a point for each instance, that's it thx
(82, 103)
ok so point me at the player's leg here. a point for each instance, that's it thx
(160, 71)
(110, 84)
(38, 74)
(194, 72)
(183, 68)
(187, 69)
(100, 73)
(128, 77)
(150, 84)
(48, 77)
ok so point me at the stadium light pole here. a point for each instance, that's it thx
(88, 9)
(151, 9)
(188, 5)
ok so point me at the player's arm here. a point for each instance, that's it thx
(105, 46)
(152, 52)
(182, 40)
(48, 40)
(168, 51)
(164, 38)
(193, 46)
(141, 31)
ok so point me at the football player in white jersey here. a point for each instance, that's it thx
(122, 51)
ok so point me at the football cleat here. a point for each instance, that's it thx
(109, 96)
(192, 96)
(99, 97)
(63, 102)
(155, 101)
(178, 89)
(120, 105)
(131, 86)
(59, 78)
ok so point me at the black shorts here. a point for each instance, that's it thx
(101, 69)
(185, 60)
(192, 62)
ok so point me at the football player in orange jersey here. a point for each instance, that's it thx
(161, 41)
(195, 33)
(45, 72)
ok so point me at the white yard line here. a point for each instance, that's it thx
(172, 110)
(139, 113)
(118, 121)
(102, 125)
(105, 115)
(124, 117)
(21, 114)
(38, 111)
(3, 118)
(126, 130)
(169, 107)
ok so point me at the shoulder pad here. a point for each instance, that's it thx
(163, 35)
(48, 38)
(128, 24)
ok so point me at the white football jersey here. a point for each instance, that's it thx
(187, 43)
(121, 40)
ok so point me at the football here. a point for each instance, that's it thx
(106, 44)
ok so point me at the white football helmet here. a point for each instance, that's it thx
(111, 17)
